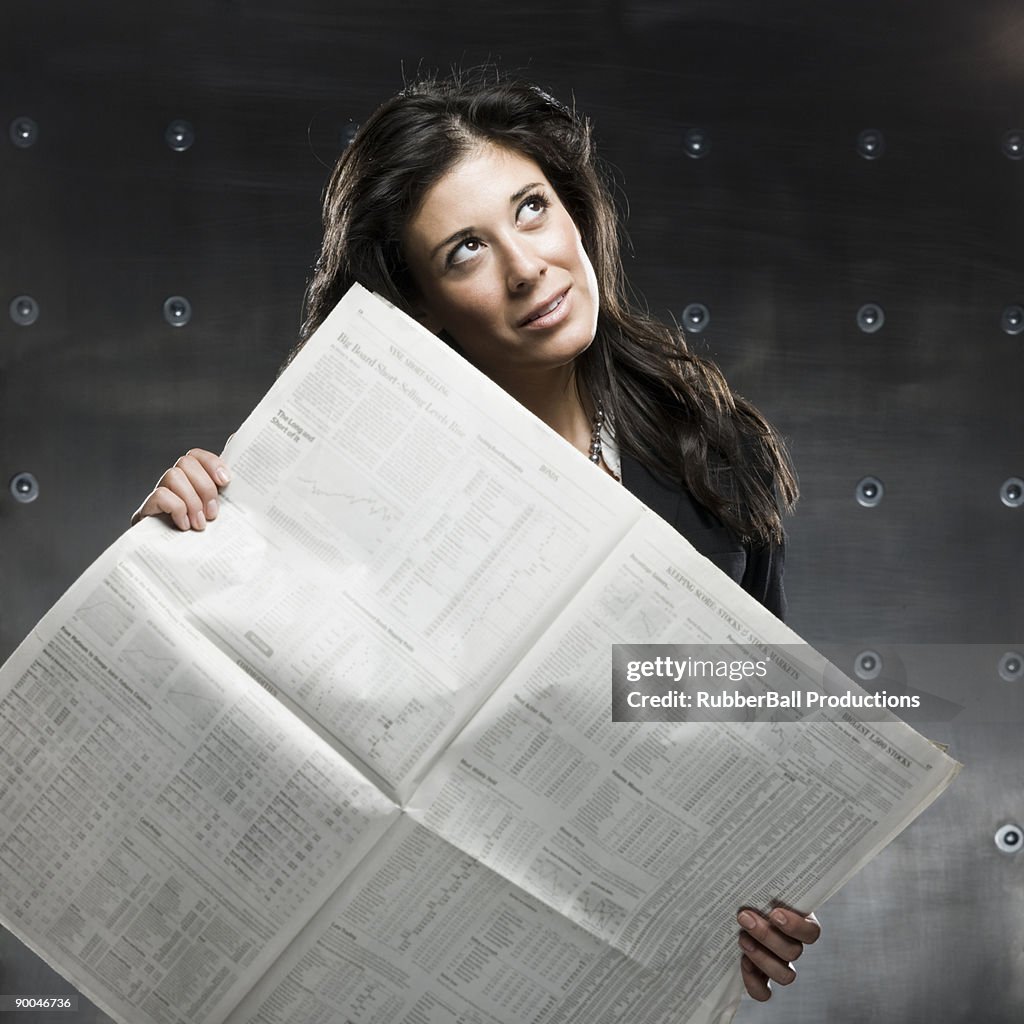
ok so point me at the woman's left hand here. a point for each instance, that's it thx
(770, 945)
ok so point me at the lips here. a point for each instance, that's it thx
(547, 312)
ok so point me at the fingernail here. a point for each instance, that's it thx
(222, 475)
(211, 509)
(746, 943)
(779, 917)
(200, 520)
(747, 920)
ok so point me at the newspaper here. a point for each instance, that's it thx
(349, 753)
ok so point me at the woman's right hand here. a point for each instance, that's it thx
(188, 491)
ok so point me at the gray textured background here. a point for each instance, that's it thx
(782, 231)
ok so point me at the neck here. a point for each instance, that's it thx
(553, 396)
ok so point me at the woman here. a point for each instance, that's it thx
(478, 208)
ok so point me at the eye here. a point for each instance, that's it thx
(465, 251)
(532, 208)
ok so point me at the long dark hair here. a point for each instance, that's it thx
(671, 409)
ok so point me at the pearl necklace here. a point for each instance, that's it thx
(595, 439)
(595, 434)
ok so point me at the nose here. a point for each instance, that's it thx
(525, 264)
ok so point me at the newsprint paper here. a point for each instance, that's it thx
(348, 755)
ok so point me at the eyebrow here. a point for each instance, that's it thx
(466, 232)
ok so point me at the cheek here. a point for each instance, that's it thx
(589, 273)
(475, 301)
(574, 246)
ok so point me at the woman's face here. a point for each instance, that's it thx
(500, 266)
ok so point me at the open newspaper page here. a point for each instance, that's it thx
(557, 866)
(397, 536)
(398, 531)
(389, 545)
(164, 828)
(652, 835)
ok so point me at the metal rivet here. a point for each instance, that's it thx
(180, 135)
(869, 491)
(177, 311)
(1012, 320)
(868, 665)
(1011, 667)
(870, 317)
(696, 317)
(24, 487)
(871, 144)
(1011, 494)
(1013, 144)
(696, 143)
(24, 310)
(24, 132)
(1010, 838)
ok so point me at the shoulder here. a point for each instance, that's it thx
(755, 567)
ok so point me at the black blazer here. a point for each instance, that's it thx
(757, 569)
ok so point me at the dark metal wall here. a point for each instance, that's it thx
(733, 129)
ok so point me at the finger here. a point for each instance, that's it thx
(179, 480)
(771, 938)
(766, 961)
(188, 491)
(207, 474)
(216, 469)
(755, 981)
(162, 499)
(805, 929)
(214, 465)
